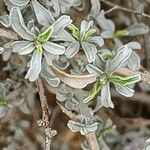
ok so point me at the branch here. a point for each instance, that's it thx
(44, 122)
(9, 34)
(91, 137)
(124, 9)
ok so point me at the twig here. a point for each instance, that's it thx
(111, 9)
(91, 137)
(44, 122)
(9, 34)
(45, 109)
(92, 141)
(124, 9)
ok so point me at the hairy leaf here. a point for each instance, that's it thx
(123, 81)
(44, 36)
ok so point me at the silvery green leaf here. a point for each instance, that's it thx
(35, 66)
(134, 45)
(97, 40)
(61, 23)
(92, 127)
(118, 42)
(24, 108)
(83, 131)
(23, 47)
(62, 63)
(50, 57)
(44, 17)
(121, 57)
(54, 4)
(134, 61)
(49, 75)
(95, 9)
(70, 105)
(125, 80)
(76, 2)
(105, 24)
(19, 26)
(88, 34)
(61, 97)
(121, 33)
(18, 3)
(45, 35)
(98, 104)
(7, 54)
(1, 50)
(106, 97)
(85, 26)
(90, 51)
(138, 28)
(63, 36)
(107, 34)
(74, 31)
(99, 61)
(72, 49)
(74, 126)
(124, 90)
(5, 20)
(95, 89)
(92, 69)
(54, 82)
(3, 111)
(31, 26)
(2, 91)
(54, 48)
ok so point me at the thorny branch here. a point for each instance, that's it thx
(44, 122)
(91, 137)
(124, 9)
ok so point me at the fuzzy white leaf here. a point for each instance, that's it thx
(121, 57)
(124, 90)
(5, 20)
(60, 24)
(50, 57)
(72, 49)
(19, 26)
(134, 45)
(54, 48)
(90, 51)
(138, 28)
(106, 97)
(44, 17)
(85, 26)
(94, 70)
(23, 47)
(107, 34)
(1, 50)
(97, 40)
(35, 67)
(134, 62)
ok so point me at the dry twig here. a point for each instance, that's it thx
(44, 122)
(124, 9)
